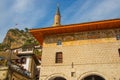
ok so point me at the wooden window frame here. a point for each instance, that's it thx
(59, 57)
(119, 52)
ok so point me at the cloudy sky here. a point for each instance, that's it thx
(40, 13)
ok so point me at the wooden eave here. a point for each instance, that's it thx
(90, 26)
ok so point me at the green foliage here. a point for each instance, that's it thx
(37, 52)
(1, 47)
(31, 41)
(26, 29)
(22, 31)
(36, 42)
(11, 40)
(28, 41)
(14, 31)
(3, 62)
(17, 36)
(4, 47)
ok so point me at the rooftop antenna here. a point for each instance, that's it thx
(15, 26)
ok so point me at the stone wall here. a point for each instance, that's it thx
(107, 71)
(82, 37)
(84, 53)
(3, 72)
(18, 76)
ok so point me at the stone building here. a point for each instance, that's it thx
(85, 51)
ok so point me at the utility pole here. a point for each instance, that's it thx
(9, 63)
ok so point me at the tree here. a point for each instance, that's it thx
(26, 29)
(22, 31)
(37, 52)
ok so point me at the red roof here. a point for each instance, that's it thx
(89, 26)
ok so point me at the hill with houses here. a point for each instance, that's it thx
(16, 38)
(20, 55)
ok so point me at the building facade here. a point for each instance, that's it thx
(85, 51)
(27, 64)
(3, 72)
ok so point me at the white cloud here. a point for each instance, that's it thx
(92, 10)
(75, 11)
(21, 5)
(105, 9)
(30, 13)
(25, 13)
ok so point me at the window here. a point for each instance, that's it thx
(18, 61)
(118, 37)
(29, 49)
(119, 52)
(24, 49)
(59, 42)
(23, 60)
(59, 57)
(16, 52)
(72, 74)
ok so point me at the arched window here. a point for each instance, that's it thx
(118, 37)
(93, 77)
(57, 78)
(59, 42)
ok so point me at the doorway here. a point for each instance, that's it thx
(57, 78)
(93, 77)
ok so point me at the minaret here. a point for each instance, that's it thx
(57, 17)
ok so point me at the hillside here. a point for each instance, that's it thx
(16, 38)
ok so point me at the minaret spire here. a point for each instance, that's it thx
(58, 10)
(57, 17)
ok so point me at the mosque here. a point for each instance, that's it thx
(84, 51)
